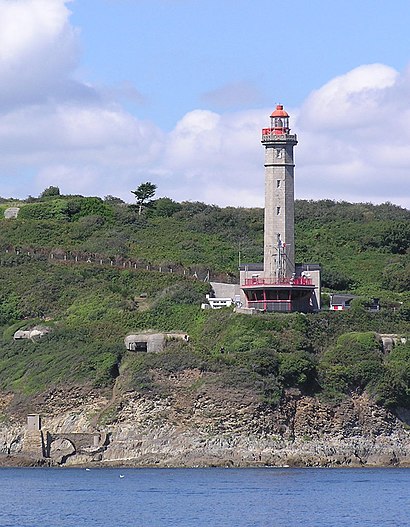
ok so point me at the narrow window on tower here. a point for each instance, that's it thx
(277, 211)
(278, 183)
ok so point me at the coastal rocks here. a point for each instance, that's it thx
(194, 421)
(356, 416)
(61, 449)
(302, 431)
(11, 439)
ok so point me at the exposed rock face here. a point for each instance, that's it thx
(61, 449)
(197, 423)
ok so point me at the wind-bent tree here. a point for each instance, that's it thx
(144, 193)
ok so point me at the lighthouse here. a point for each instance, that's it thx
(279, 230)
(279, 284)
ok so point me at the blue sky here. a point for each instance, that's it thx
(180, 55)
(101, 95)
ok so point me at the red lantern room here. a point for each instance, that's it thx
(279, 121)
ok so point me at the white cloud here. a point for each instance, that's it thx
(353, 144)
(353, 131)
(29, 26)
(217, 156)
(349, 100)
(38, 50)
(354, 134)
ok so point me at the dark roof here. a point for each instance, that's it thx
(299, 267)
(307, 267)
(340, 299)
(251, 267)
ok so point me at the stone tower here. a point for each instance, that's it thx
(279, 285)
(279, 230)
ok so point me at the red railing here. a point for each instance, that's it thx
(276, 131)
(299, 281)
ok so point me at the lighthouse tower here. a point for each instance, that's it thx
(279, 284)
(279, 230)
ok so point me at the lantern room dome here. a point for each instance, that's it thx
(279, 112)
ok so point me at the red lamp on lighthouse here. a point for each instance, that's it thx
(279, 121)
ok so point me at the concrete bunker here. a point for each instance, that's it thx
(34, 333)
(11, 213)
(152, 342)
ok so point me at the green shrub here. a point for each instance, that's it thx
(394, 388)
(50, 192)
(9, 309)
(165, 207)
(55, 209)
(107, 364)
(335, 280)
(80, 207)
(353, 363)
(297, 369)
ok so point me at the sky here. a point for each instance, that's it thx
(98, 96)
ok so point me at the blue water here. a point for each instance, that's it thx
(204, 497)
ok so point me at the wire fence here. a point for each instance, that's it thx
(59, 256)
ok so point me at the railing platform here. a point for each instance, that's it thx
(300, 281)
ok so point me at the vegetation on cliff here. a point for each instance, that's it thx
(364, 249)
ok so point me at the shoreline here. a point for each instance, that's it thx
(24, 461)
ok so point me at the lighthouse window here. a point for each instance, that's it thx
(278, 153)
(278, 183)
(277, 211)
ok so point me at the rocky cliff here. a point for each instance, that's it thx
(196, 422)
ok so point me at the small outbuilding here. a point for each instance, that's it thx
(340, 302)
(152, 342)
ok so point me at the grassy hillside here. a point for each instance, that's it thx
(363, 248)
(90, 308)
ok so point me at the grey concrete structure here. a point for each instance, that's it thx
(11, 213)
(389, 340)
(32, 334)
(279, 284)
(279, 234)
(152, 342)
(33, 422)
(221, 289)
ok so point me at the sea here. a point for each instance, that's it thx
(211, 497)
